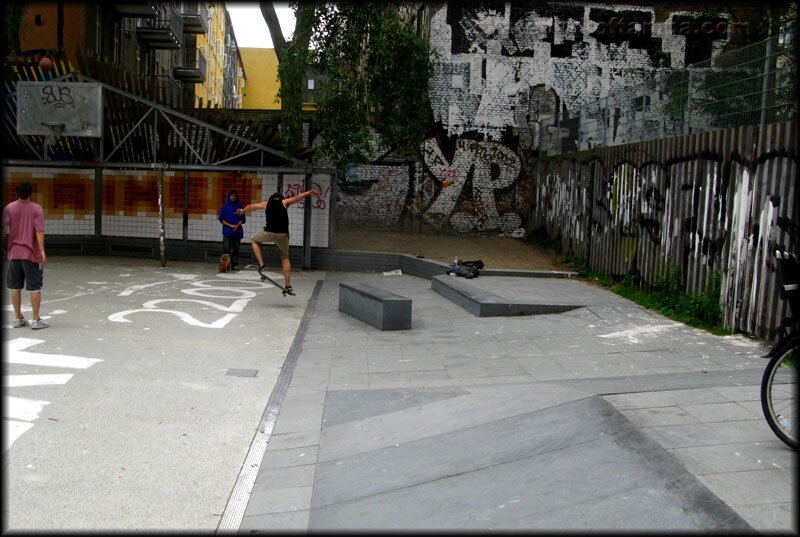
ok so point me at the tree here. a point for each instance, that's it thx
(292, 61)
(378, 70)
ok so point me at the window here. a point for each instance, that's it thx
(311, 84)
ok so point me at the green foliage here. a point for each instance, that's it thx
(293, 59)
(398, 70)
(666, 296)
(729, 90)
(378, 70)
(291, 93)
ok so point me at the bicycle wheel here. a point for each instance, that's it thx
(779, 392)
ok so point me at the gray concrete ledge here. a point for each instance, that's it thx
(380, 308)
(321, 258)
(482, 303)
(355, 261)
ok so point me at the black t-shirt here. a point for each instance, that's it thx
(277, 215)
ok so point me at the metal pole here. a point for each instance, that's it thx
(185, 233)
(765, 88)
(307, 226)
(161, 227)
(687, 127)
(332, 211)
(98, 202)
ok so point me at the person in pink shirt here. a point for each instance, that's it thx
(23, 221)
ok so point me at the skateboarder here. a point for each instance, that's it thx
(232, 231)
(276, 230)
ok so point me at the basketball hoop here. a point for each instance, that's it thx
(54, 129)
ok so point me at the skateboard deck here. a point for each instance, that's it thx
(224, 262)
(264, 277)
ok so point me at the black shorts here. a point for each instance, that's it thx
(23, 272)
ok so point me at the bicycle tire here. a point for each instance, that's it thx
(779, 391)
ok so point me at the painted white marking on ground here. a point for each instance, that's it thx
(130, 290)
(18, 408)
(133, 288)
(631, 335)
(16, 381)
(15, 354)
(14, 430)
(213, 292)
(120, 317)
(237, 306)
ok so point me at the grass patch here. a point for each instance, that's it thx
(666, 296)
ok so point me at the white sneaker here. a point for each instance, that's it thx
(21, 322)
(38, 324)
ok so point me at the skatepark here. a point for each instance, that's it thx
(179, 398)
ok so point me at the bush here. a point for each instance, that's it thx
(666, 296)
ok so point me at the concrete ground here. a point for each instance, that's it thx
(177, 398)
(606, 417)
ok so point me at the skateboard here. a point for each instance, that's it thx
(264, 277)
(224, 263)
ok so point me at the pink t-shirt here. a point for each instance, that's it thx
(24, 218)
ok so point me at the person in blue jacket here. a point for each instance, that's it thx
(232, 231)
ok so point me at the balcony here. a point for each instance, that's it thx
(162, 33)
(193, 69)
(195, 18)
(137, 10)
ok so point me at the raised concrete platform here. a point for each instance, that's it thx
(380, 308)
(483, 303)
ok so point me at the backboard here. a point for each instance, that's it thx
(76, 105)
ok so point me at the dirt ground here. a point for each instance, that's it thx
(495, 252)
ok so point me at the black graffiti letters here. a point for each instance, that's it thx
(57, 97)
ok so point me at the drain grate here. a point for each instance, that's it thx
(242, 372)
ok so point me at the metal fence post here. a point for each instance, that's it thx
(765, 87)
(687, 126)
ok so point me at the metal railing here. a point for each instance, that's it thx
(752, 85)
(193, 58)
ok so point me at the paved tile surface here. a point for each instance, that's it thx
(606, 417)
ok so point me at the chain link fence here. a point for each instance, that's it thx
(752, 85)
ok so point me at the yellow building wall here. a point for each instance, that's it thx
(240, 80)
(262, 87)
(45, 34)
(212, 45)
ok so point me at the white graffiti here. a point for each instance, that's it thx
(130, 290)
(20, 412)
(494, 167)
(240, 293)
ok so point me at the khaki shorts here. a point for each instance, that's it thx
(281, 241)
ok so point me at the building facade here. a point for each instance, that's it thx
(187, 47)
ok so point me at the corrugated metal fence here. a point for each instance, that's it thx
(716, 201)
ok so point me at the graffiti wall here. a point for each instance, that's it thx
(505, 68)
(715, 202)
(506, 76)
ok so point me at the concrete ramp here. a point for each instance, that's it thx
(479, 458)
(483, 300)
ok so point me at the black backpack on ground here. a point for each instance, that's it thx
(466, 269)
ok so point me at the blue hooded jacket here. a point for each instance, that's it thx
(228, 213)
